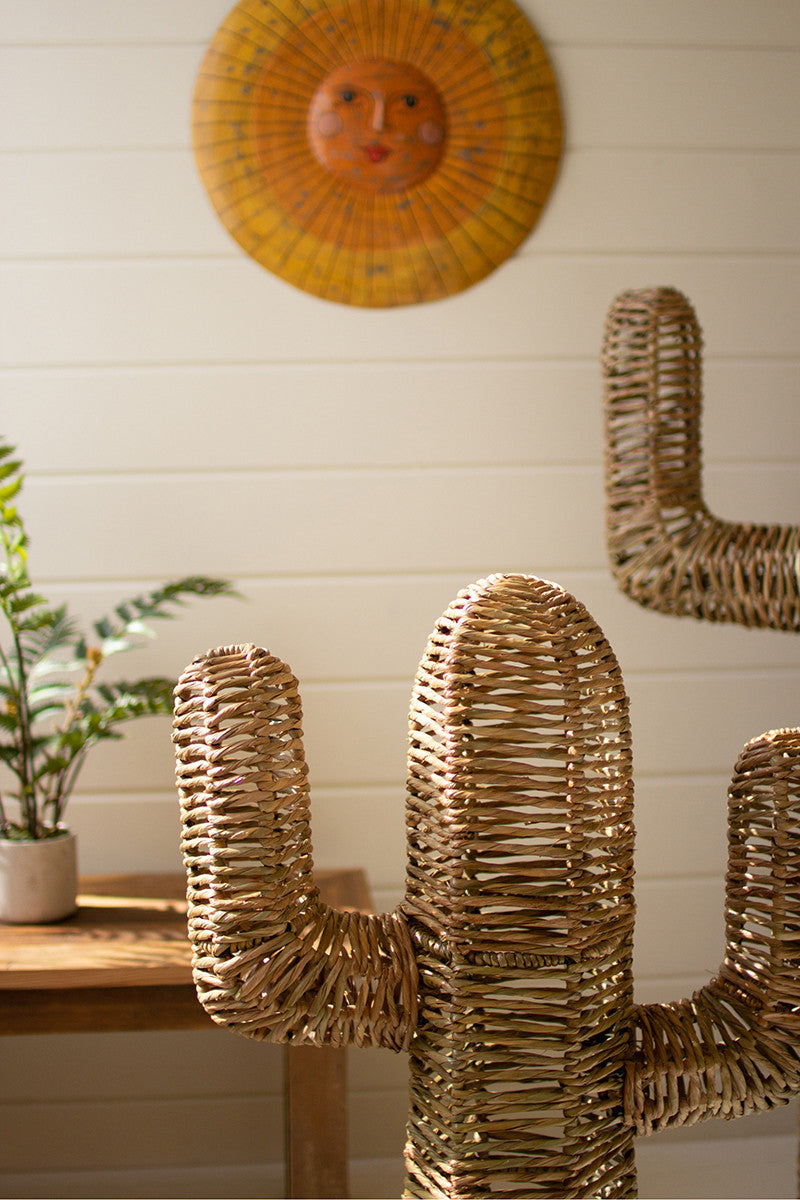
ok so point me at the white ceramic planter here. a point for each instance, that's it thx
(38, 880)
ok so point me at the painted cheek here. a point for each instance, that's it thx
(430, 133)
(329, 124)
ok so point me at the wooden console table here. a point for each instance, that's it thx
(123, 963)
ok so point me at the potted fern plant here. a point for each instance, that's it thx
(54, 706)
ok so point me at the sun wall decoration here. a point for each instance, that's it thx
(377, 152)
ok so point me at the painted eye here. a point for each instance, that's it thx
(347, 96)
(409, 101)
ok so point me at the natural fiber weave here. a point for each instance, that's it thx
(734, 1047)
(270, 959)
(520, 901)
(506, 970)
(668, 552)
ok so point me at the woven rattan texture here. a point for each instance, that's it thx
(270, 959)
(506, 970)
(520, 901)
(734, 1047)
(668, 552)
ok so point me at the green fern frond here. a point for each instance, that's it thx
(49, 631)
(127, 701)
(126, 626)
(47, 721)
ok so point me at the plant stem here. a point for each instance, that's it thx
(28, 802)
(3, 817)
(65, 780)
(93, 659)
(30, 807)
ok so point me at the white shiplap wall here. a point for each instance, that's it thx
(181, 410)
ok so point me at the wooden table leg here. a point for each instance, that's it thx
(316, 1121)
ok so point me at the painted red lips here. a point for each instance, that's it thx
(376, 153)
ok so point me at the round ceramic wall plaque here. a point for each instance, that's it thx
(377, 152)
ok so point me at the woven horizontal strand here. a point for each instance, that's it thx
(668, 552)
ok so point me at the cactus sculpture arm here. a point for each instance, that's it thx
(731, 1048)
(734, 1047)
(668, 552)
(270, 959)
(507, 969)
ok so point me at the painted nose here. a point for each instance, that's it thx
(378, 114)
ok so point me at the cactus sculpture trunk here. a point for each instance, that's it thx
(519, 898)
(506, 970)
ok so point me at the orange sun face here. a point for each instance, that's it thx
(377, 152)
(379, 125)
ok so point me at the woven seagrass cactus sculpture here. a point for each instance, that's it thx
(668, 552)
(505, 973)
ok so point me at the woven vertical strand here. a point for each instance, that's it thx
(520, 902)
(668, 551)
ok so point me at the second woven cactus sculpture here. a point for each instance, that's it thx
(506, 970)
(668, 551)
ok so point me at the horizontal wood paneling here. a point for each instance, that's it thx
(128, 831)
(756, 1163)
(646, 201)
(615, 22)
(145, 828)
(699, 724)
(681, 829)
(766, 495)
(663, 97)
(261, 1181)
(95, 86)
(298, 416)
(680, 928)
(359, 414)
(683, 22)
(746, 410)
(58, 1068)
(106, 204)
(753, 1165)
(150, 1067)
(50, 22)
(457, 519)
(84, 1135)
(235, 312)
(78, 204)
